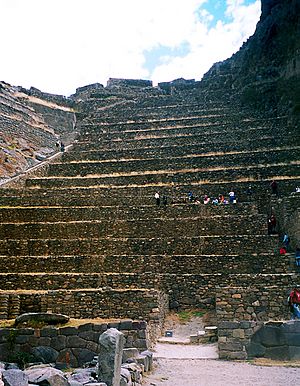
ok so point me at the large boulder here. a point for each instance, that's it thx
(45, 354)
(42, 317)
(14, 378)
(46, 375)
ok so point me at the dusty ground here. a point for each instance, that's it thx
(211, 372)
(179, 364)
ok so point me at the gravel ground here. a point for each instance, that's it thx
(179, 364)
(211, 372)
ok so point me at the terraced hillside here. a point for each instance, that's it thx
(89, 240)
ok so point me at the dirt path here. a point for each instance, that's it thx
(180, 364)
(211, 372)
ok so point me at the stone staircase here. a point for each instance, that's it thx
(88, 240)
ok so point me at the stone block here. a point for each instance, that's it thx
(237, 355)
(21, 339)
(149, 354)
(272, 336)
(238, 333)
(49, 332)
(245, 324)
(68, 331)
(255, 350)
(100, 327)
(14, 377)
(228, 325)
(45, 354)
(85, 327)
(111, 345)
(142, 334)
(141, 344)
(292, 339)
(75, 341)
(129, 353)
(113, 325)
(44, 341)
(144, 360)
(83, 355)
(277, 353)
(92, 346)
(230, 346)
(25, 331)
(292, 326)
(194, 338)
(89, 335)
(58, 343)
(125, 325)
(294, 353)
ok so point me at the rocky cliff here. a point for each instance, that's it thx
(264, 73)
(30, 124)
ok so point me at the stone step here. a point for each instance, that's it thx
(201, 285)
(173, 177)
(87, 213)
(166, 227)
(148, 144)
(202, 264)
(194, 119)
(197, 162)
(206, 245)
(216, 146)
(205, 132)
(143, 194)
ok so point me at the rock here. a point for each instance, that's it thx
(83, 376)
(125, 377)
(149, 355)
(110, 356)
(45, 354)
(135, 370)
(129, 353)
(14, 378)
(255, 350)
(43, 317)
(40, 157)
(41, 373)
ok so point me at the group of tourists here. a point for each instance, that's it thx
(60, 146)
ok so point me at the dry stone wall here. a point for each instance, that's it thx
(71, 346)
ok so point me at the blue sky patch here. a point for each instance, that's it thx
(156, 56)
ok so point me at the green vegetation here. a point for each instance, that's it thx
(21, 358)
(185, 316)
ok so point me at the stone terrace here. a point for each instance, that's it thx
(87, 239)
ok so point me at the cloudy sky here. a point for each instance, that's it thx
(59, 45)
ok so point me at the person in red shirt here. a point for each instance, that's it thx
(294, 302)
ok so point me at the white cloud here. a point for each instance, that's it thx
(59, 45)
(212, 45)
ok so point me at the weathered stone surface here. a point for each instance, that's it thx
(255, 350)
(83, 355)
(294, 353)
(110, 356)
(135, 371)
(125, 377)
(43, 317)
(280, 353)
(14, 378)
(42, 373)
(271, 336)
(129, 353)
(83, 376)
(45, 354)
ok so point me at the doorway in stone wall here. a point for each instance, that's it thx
(188, 334)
